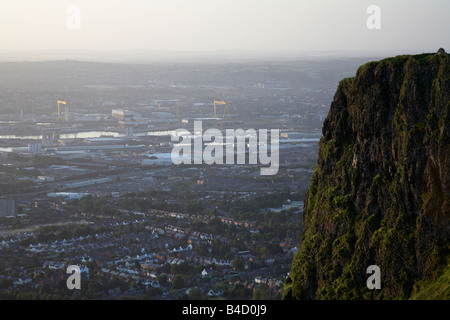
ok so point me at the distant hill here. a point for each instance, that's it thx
(380, 194)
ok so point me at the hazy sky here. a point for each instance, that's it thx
(192, 25)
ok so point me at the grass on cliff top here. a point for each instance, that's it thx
(421, 59)
(435, 290)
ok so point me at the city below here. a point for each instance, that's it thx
(87, 178)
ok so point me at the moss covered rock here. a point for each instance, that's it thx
(380, 194)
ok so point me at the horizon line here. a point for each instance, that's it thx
(155, 55)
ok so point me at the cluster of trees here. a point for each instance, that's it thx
(266, 249)
(45, 161)
(263, 292)
(273, 225)
(213, 226)
(238, 264)
(216, 249)
(183, 268)
(56, 289)
(234, 292)
(268, 200)
(52, 233)
(143, 202)
(242, 209)
(95, 206)
(181, 273)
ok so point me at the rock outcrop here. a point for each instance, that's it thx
(380, 193)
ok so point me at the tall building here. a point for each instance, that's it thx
(7, 207)
(35, 147)
(129, 131)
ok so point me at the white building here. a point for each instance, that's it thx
(46, 178)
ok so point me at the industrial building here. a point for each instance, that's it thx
(124, 124)
(125, 114)
(35, 147)
(87, 183)
(7, 207)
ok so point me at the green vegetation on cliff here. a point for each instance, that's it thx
(380, 194)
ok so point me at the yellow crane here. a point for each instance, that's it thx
(225, 110)
(66, 110)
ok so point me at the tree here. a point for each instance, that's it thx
(16, 224)
(152, 292)
(185, 268)
(132, 284)
(174, 269)
(5, 283)
(93, 288)
(162, 279)
(262, 293)
(87, 203)
(202, 250)
(178, 282)
(44, 289)
(224, 250)
(195, 294)
(238, 264)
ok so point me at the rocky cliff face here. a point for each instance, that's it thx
(380, 194)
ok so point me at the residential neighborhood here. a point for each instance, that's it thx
(151, 254)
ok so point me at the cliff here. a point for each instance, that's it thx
(380, 193)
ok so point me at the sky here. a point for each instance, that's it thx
(210, 25)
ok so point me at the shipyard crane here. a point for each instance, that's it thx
(177, 107)
(225, 110)
(66, 110)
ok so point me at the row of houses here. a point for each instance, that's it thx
(230, 221)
